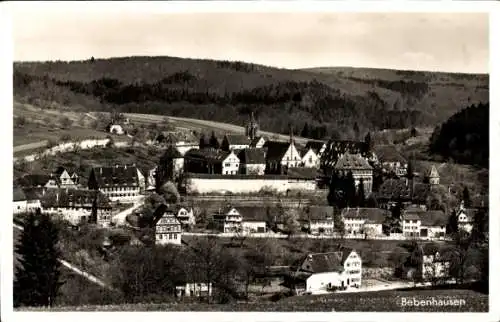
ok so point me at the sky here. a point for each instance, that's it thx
(451, 42)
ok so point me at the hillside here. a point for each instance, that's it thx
(343, 102)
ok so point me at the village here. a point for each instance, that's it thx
(242, 171)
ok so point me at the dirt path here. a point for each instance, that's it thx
(30, 146)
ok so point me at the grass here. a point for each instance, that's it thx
(383, 301)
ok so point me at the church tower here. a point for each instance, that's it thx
(252, 128)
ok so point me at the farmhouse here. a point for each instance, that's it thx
(391, 160)
(232, 142)
(252, 161)
(228, 220)
(281, 156)
(322, 272)
(318, 220)
(75, 205)
(433, 224)
(254, 219)
(411, 225)
(465, 217)
(168, 229)
(185, 216)
(118, 183)
(360, 169)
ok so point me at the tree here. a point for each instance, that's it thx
(361, 194)
(65, 122)
(213, 143)
(452, 224)
(466, 198)
(38, 281)
(19, 121)
(350, 190)
(203, 141)
(356, 130)
(170, 193)
(368, 141)
(338, 222)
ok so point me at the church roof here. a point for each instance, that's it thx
(352, 162)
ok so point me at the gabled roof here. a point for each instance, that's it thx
(252, 156)
(116, 176)
(318, 212)
(256, 140)
(74, 198)
(434, 218)
(374, 215)
(336, 148)
(432, 172)
(208, 154)
(352, 162)
(411, 216)
(237, 139)
(315, 145)
(276, 150)
(328, 262)
(389, 153)
(253, 213)
(18, 194)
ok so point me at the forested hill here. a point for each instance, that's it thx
(342, 102)
(465, 136)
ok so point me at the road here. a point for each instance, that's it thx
(30, 146)
(91, 278)
(120, 218)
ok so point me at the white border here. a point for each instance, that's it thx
(258, 6)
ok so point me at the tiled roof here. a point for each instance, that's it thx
(433, 218)
(116, 176)
(276, 150)
(252, 156)
(388, 153)
(336, 148)
(374, 215)
(18, 194)
(253, 213)
(352, 162)
(209, 154)
(304, 173)
(315, 145)
(328, 262)
(411, 216)
(237, 139)
(74, 198)
(318, 212)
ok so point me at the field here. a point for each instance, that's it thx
(383, 301)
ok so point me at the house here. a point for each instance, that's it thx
(207, 160)
(434, 264)
(258, 142)
(168, 229)
(231, 164)
(281, 156)
(310, 159)
(65, 179)
(76, 206)
(116, 129)
(228, 220)
(318, 147)
(465, 217)
(252, 161)
(254, 219)
(318, 220)
(194, 289)
(359, 167)
(232, 142)
(185, 216)
(119, 183)
(364, 221)
(38, 181)
(20, 202)
(323, 272)
(411, 224)
(391, 160)
(433, 224)
(432, 176)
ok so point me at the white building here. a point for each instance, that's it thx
(168, 230)
(258, 142)
(251, 226)
(252, 161)
(185, 215)
(65, 179)
(411, 225)
(321, 272)
(317, 146)
(435, 266)
(194, 289)
(231, 164)
(118, 183)
(465, 218)
(116, 129)
(20, 202)
(318, 220)
(310, 159)
(228, 220)
(280, 156)
(361, 221)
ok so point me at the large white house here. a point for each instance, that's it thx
(318, 220)
(323, 272)
(281, 156)
(363, 221)
(231, 164)
(119, 183)
(310, 159)
(168, 230)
